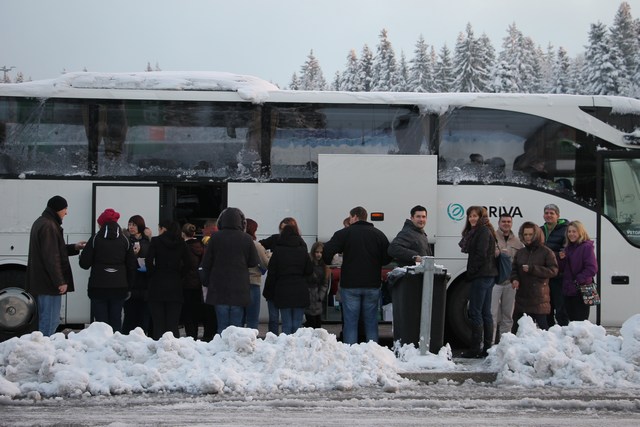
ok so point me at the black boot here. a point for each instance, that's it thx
(488, 339)
(476, 342)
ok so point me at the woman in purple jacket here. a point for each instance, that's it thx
(579, 265)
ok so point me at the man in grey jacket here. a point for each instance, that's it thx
(503, 296)
(411, 243)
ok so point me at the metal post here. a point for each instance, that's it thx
(427, 303)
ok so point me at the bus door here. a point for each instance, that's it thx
(386, 186)
(618, 228)
(128, 200)
(268, 203)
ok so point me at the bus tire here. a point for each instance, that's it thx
(458, 323)
(12, 278)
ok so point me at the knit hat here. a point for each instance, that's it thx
(57, 203)
(109, 215)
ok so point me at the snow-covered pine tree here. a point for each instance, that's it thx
(384, 65)
(443, 72)
(560, 80)
(350, 80)
(365, 70)
(468, 69)
(601, 71)
(311, 77)
(294, 84)
(420, 70)
(624, 36)
(402, 75)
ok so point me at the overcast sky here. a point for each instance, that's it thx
(267, 39)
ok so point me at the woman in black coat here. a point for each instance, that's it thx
(192, 287)
(167, 262)
(286, 281)
(226, 262)
(110, 257)
(136, 308)
(479, 241)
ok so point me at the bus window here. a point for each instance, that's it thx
(67, 137)
(484, 145)
(622, 196)
(304, 131)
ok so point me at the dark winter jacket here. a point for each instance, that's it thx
(191, 279)
(48, 264)
(229, 255)
(533, 295)
(482, 254)
(140, 282)
(364, 252)
(554, 240)
(411, 241)
(167, 262)
(318, 283)
(110, 257)
(578, 267)
(289, 266)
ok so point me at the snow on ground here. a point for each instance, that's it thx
(95, 361)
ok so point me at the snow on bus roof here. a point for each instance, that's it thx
(248, 87)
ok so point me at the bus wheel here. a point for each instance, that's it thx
(12, 278)
(458, 322)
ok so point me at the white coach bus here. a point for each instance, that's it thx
(187, 145)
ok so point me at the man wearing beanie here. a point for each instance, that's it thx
(48, 269)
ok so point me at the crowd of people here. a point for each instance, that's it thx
(549, 263)
(159, 282)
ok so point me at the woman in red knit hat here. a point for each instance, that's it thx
(110, 257)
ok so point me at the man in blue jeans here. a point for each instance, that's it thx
(48, 269)
(364, 252)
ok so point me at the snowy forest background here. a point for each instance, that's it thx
(609, 66)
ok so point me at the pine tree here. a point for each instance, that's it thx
(513, 56)
(624, 37)
(294, 84)
(148, 67)
(402, 75)
(469, 70)
(560, 79)
(365, 70)
(576, 84)
(486, 59)
(384, 65)
(337, 81)
(548, 60)
(350, 80)
(443, 72)
(601, 72)
(420, 71)
(502, 80)
(311, 77)
(19, 77)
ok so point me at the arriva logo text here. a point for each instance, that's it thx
(457, 212)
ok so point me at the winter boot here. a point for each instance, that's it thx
(476, 342)
(488, 333)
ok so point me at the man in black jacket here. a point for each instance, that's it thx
(411, 243)
(48, 270)
(554, 229)
(364, 250)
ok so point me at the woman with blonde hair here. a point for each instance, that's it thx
(579, 265)
(479, 241)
